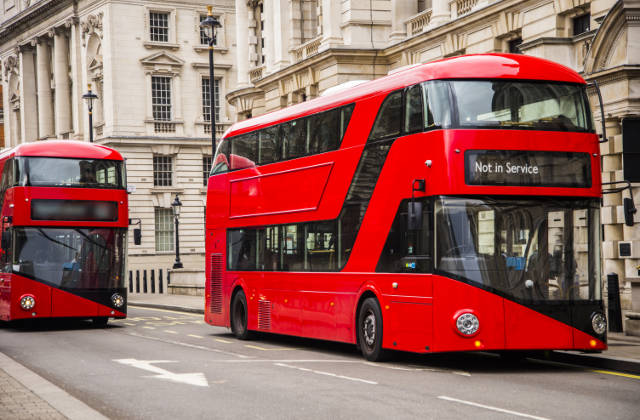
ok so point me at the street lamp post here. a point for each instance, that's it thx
(176, 216)
(209, 26)
(90, 97)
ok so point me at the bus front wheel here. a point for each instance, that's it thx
(239, 316)
(370, 331)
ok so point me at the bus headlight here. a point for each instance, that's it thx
(467, 324)
(117, 300)
(599, 323)
(27, 302)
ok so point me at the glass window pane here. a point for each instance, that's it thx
(294, 138)
(413, 110)
(244, 151)
(389, 119)
(323, 132)
(164, 229)
(437, 105)
(270, 145)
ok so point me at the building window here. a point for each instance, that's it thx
(514, 46)
(204, 40)
(164, 229)
(207, 161)
(159, 27)
(162, 171)
(581, 24)
(161, 98)
(206, 102)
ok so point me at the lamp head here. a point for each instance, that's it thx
(210, 24)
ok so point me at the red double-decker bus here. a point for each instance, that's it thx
(64, 231)
(450, 206)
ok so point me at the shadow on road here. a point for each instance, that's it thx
(55, 324)
(471, 362)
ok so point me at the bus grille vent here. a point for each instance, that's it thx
(264, 315)
(216, 283)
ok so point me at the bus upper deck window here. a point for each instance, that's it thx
(413, 110)
(389, 119)
(437, 104)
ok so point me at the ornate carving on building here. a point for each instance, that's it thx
(92, 25)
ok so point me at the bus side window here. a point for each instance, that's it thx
(389, 119)
(294, 138)
(221, 160)
(244, 151)
(323, 132)
(345, 117)
(270, 145)
(413, 110)
(7, 180)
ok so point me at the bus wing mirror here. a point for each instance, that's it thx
(414, 215)
(629, 211)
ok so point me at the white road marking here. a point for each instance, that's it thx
(129, 323)
(193, 346)
(220, 340)
(488, 407)
(149, 328)
(171, 332)
(417, 369)
(195, 336)
(165, 310)
(196, 379)
(319, 372)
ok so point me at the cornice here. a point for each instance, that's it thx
(624, 72)
(32, 16)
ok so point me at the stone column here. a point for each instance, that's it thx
(6, 108)
(177, 100)
(77, 103)
(282, 25)
(268, 34)
(29, 102)
(401, 10)
(440, 12)
(61, 79)
(242, 43)
(45, 105)
(331, 18)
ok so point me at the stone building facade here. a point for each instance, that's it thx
(294, 50)
(148, 63)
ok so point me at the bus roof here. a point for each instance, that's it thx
(63, 149)
(474, 66)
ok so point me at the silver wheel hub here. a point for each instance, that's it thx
(369, 329)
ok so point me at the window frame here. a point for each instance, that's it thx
(159, 172)
(158, 231)
(155, 97)
(171, 27)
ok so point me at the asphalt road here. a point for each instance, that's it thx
(167, 365)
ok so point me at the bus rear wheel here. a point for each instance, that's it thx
(239, 316)
(370, 331)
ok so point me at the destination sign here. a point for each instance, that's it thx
(74, 210)
(527, 168)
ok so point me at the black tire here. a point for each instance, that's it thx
(100, 321)
(370, 331)
(239, 316)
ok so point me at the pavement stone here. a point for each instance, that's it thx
(17, 402)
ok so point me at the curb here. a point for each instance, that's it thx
(168, 307)
(582, 359)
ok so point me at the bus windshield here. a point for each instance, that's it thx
(66, 172)
(70, 258)
(527, 249)
(521, 105)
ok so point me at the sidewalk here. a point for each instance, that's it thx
(623, 354)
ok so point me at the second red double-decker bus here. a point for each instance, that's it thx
(64, 231)
(450, 206)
